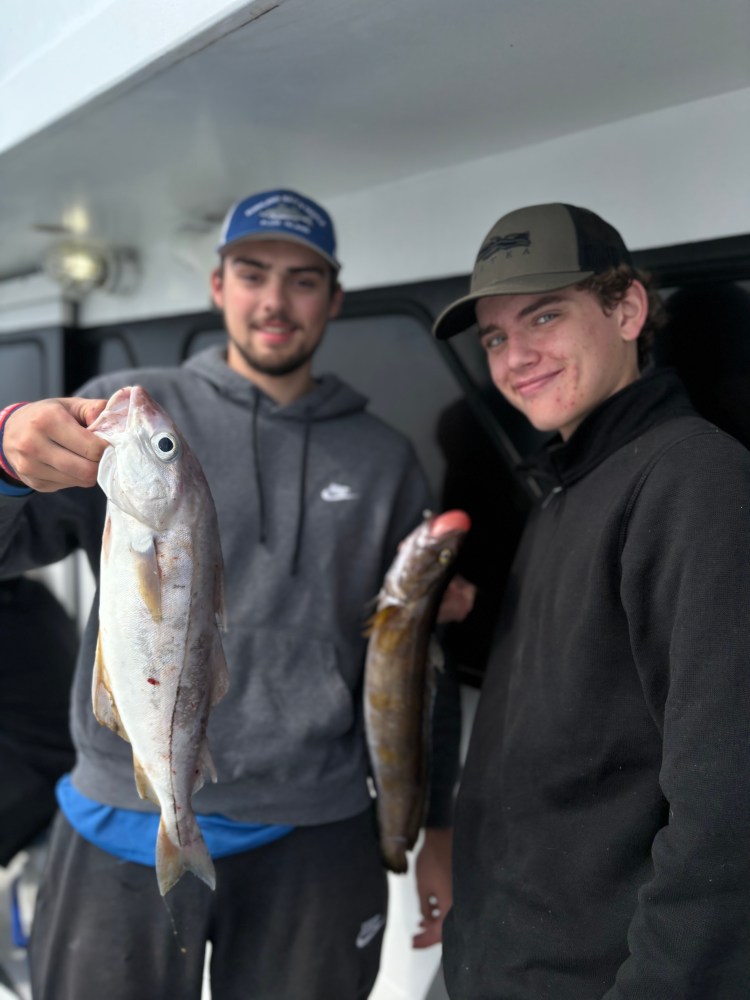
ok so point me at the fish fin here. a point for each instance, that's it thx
(205, 769)
(380, 621)
(383, 608)
(371, 608)
(393, 853)
(220, 605)
(149, 578)
(105, 707)
(172, 861)
(143, 783)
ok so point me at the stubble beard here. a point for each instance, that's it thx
(275, 368)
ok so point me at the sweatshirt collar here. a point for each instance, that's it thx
(656, 396)
(329, 398)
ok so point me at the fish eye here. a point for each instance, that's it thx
(165, 446)
(445, 556)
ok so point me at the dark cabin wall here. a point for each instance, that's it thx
(439, 393)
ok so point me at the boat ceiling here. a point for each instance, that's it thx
(337, 96)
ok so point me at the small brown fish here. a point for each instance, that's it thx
(160, 665)
(399, 679)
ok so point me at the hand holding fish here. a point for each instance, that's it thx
(458, 600)
(48, 446)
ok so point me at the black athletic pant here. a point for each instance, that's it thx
(298, 919)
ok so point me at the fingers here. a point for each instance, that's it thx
(48, 446)
(431, 925)
(430, 935)
(458, 600)
(85, 411)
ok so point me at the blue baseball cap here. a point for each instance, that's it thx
(281, 215)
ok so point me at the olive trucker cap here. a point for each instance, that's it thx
(536, 249)
(281, 215)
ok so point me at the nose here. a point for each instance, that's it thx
(274, 296)
(520, 353)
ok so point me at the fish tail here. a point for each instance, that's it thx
(394, 856)
(173, 860)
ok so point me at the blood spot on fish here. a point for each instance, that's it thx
(153, 680)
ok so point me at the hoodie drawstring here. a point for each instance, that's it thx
(302, 490)
(258, 480)
(262, 536)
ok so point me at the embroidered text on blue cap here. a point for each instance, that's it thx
(281, 214)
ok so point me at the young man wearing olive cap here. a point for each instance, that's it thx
(602, 841)
(313, 495)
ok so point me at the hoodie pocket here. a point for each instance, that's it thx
(286, 707)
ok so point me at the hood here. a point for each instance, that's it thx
(330, 398)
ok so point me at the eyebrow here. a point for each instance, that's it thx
(251, 262)
(545, 300)
(540, 303)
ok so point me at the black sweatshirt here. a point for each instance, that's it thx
(603, 824)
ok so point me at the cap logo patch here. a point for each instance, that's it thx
(280, 215)
(495, 244)
(285, 211)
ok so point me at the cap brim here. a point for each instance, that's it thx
(272, 237)
(461, 314)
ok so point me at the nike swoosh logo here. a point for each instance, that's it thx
(335, 492)
(369, 930)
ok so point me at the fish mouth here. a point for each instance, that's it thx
(121, 412)
(115, 414)
(451, 522)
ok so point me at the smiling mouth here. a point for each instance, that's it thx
(530, 386)
(275, 335)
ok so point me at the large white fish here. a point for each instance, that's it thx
(160, 665)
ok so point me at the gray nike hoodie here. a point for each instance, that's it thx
(312, 499)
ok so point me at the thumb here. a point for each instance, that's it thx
(86, 411)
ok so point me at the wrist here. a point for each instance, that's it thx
(439, 834)
(10, 484)
(7, 472)
(13, 487)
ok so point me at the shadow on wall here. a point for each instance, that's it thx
(707, 341)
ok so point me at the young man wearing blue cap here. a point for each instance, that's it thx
(313, 495)
(602, 834)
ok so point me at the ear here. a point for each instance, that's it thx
(337, 300)
(217, 288)
(633, 311)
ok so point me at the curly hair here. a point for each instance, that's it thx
(610, 286)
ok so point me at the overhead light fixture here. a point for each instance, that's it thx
(80, 268)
